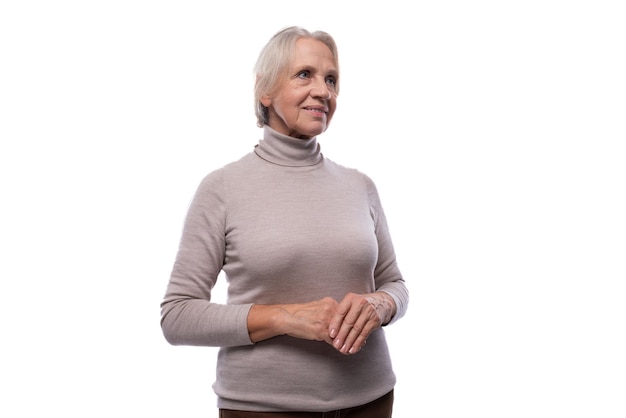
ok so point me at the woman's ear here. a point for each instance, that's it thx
(266, 100)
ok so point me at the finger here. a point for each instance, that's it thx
(347, 323)
(358, 344)
(352, 335)
(357, 335)
(344, 312)
(336, 322)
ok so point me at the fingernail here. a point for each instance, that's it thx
(333, 333)
(337, 343)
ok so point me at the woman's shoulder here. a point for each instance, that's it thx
(350, 172)
(214, 179)
(233, 168)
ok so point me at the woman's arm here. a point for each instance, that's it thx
(309, 321)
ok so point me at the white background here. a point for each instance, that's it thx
(494, 130)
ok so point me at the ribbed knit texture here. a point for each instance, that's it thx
(286, 225)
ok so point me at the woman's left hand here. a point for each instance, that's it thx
(356, 317)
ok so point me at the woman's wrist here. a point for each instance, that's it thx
(266, 321)
(384, 305)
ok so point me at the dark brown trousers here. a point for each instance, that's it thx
(380, 408)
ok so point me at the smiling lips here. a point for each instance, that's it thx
(318, 110)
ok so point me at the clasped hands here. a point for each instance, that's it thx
(344, 325)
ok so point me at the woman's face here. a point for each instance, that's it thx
(305, 100)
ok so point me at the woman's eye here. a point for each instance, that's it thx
(303, 74)
(332, 81)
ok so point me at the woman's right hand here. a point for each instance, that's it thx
(308, 321)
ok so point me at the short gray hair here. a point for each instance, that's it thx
(275, 59)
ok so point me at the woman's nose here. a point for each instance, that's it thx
(320, 89)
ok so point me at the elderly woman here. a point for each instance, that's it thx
(306, 251)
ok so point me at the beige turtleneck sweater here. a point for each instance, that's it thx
(286, 225)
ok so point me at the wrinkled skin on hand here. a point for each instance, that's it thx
(310, 321)
(344, 325)
(355, 319)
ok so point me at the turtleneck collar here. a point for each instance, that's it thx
(280, 149)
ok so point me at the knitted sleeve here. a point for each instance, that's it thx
(188, 317)
(387, 275)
